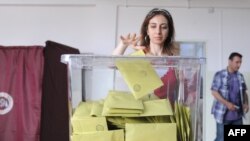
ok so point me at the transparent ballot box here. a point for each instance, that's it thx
(133, 98)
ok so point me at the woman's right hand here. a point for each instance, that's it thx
(127, 41)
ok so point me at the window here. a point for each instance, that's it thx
(194, 49)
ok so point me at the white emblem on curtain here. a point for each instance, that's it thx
(6, 103)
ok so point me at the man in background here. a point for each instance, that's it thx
(230, 96)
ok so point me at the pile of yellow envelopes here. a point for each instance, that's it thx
(128, 116)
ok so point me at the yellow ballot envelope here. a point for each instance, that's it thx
(119, 103)
(114, 135)
(159, 107)
(151, 132)
(88, 124)
(118, 122)
(183, 122)
(140, 76)
(138, 53)
(83, 109)
(89, 108)
(97, 108)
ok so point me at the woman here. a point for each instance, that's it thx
(156, 39)
(157, 36)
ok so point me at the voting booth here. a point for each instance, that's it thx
(132, 98)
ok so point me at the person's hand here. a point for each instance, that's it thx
(127, 41)
(131, 41)
(231, 106)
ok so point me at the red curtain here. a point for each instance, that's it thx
(21, 71)
(55, 110)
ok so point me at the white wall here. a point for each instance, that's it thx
(95, 26)
(223, 31)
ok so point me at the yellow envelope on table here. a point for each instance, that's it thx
(151, 132)
(140, 76)
(89, 124)
(120, 103)
(114, 135)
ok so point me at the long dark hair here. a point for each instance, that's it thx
(169, 46)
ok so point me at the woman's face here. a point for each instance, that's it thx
(158, 29)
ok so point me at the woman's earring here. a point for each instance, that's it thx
(146, 38)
